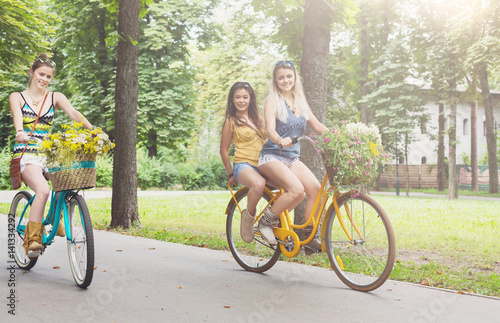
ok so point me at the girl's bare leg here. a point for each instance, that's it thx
(250, 178)
(33, 177)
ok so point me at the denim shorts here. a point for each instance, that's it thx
(238, 167)
(266, 158)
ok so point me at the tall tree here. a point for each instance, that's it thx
(397, 103)
(476, 29)
(124, 209)
(166, 77)
(443, 62)
(242, 51)
(318, 15)
(86, 56)
(490, 129)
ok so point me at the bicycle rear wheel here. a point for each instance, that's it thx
(365, 262)
(19, 203)
(81, 245)
(258, 255)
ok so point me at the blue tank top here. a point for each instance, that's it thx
(294, 127)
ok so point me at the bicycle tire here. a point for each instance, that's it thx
(366, 263)
(258, 255)
(17, 206)
(81, 245)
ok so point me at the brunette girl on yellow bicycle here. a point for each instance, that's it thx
(244, 126)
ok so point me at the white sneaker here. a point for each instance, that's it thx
(266, 224)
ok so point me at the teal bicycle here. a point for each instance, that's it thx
(78, 226)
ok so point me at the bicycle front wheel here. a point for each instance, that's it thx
(364, 261)
(258, 255)
(81, 244)
(20, 204)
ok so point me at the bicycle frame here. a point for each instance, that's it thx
(55, 208)
(285, 232)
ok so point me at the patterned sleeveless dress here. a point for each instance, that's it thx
(33, 155)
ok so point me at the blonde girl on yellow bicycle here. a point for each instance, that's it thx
(244, 126)
(286, 114)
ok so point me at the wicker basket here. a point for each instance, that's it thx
(331, 174)
(80, 175)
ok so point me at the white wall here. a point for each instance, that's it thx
(426, 147)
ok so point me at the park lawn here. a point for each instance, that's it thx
(441, 243)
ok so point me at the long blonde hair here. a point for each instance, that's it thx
(278, 100)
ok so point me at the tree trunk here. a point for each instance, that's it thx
(441, 174)
(473, 140)
(490, 130)
(152, 143)
(314, 67)
(124, 210)
(452, 154)
(407, 168)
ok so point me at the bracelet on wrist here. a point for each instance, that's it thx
(230, 175)
(19, 130)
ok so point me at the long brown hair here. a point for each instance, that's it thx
(253, 111)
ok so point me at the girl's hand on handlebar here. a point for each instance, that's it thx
(22, 137)
(233, 181)
(285, 142)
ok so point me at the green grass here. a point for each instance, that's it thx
(441, 243)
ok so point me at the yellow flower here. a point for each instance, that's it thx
(373, 148)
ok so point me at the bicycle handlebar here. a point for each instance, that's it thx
(296, 139)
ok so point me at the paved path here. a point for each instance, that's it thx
(143, 280)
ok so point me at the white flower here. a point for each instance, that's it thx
(103, 136)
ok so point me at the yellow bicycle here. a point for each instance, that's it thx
(355, 233)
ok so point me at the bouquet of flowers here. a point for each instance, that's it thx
(63, 148)
(71, 156)
(352, 153)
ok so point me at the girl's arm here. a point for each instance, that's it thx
(61, 102)
(17, 117)
(225, 142)
(317, 126)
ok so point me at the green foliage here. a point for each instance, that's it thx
(86, 57)
(5, 157)
(465, 158)
(25, 28)
(148, 170)
(166, 95)
(244, 52)
(396, 103)
(104, 172)
(161, 172)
